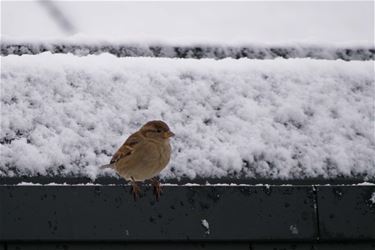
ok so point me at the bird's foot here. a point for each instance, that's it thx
(157, 188)
(135, 190)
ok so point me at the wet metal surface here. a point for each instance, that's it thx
(346, 212)
(191, 245)
(88, 213)
(207, 214)
(106, 180)
(129, 246)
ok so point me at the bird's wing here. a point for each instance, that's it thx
(127, 148)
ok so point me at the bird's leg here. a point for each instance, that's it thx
(157, 188)
(135, 189)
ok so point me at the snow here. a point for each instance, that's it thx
(57, 184)
(206, 225)
(372, 199)
(293, 229)
(294, 118)
(82, 46)
(28, 184)
(366, 184)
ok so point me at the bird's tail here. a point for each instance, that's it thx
(108, 166)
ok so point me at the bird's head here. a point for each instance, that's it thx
(156, 130)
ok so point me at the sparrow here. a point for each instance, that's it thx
(143, 156)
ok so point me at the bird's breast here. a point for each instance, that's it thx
(165, 154)
(163, 150)
(148, 160)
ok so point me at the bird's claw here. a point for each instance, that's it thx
(135, 190)
(157, 189)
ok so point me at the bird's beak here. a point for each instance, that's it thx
(168, 134)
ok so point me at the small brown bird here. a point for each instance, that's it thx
(144, 155)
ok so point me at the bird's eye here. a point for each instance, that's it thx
(158, 130)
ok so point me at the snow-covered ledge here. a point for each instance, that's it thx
(277, 119)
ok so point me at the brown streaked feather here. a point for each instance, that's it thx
(153, 125)
(127, 148)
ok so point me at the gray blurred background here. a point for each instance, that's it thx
(269, 22)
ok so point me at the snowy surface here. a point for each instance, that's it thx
(295, 118)
(57, 184)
